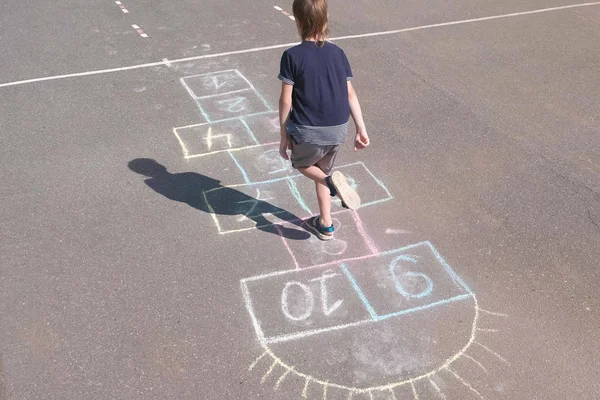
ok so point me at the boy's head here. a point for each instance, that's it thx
(311, 19)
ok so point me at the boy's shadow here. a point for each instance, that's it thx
(188, 187)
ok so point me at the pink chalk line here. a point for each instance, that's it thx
(363, 233)
(287, 246)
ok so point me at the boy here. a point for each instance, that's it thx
(317, 99)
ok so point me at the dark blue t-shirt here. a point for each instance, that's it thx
(320, 77)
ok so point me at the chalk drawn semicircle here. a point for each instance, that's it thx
(290, 369)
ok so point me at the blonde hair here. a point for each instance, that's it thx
(312, 18)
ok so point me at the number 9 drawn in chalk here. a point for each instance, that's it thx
(409, 280)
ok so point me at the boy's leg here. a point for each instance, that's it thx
(323, 195)
(337, 183)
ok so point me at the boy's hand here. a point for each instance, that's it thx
(362, 139)
(284, 145)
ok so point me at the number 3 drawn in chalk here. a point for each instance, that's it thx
(273, 162)
(410, 279)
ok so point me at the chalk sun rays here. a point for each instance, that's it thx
(476, 354)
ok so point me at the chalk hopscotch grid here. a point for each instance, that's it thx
(226, 120)
(374, 316)
(242, 120)
(197, 99)
(297, 195)
(368, 241)
(461, 284)
(209, 74)
(296, 175)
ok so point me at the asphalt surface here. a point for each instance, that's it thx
(117, 283)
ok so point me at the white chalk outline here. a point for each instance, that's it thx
(241, 119)
(283, 45)
(215, 73)
(468, 293)
(311, 332)
(208, 96)
(380, 388)
(284, 178)
(226, 119)
(197, 99)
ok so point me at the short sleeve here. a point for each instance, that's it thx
(286, 69)
(347, 68)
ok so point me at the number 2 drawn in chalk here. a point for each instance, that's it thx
(309, 300)
(237, 104)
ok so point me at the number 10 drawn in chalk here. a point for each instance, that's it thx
(309, 298)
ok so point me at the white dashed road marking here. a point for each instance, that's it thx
(287, 14)
(139, 30)
(284, 45)
(125, 11)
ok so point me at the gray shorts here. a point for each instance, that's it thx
(307, 154)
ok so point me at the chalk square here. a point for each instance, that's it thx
(263, 163)
(239, 208)
(348, 242)
(371, 190)
(208, 138)
(231, 105)
(265, 127)
(406, 280)
(215, 83)
(298, 303)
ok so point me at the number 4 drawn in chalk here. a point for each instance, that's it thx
(209, 138)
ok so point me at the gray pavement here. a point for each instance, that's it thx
(471, 271)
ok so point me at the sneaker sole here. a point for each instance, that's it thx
(345, 192)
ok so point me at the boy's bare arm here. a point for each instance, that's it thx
(285, 106)
(362, 138)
